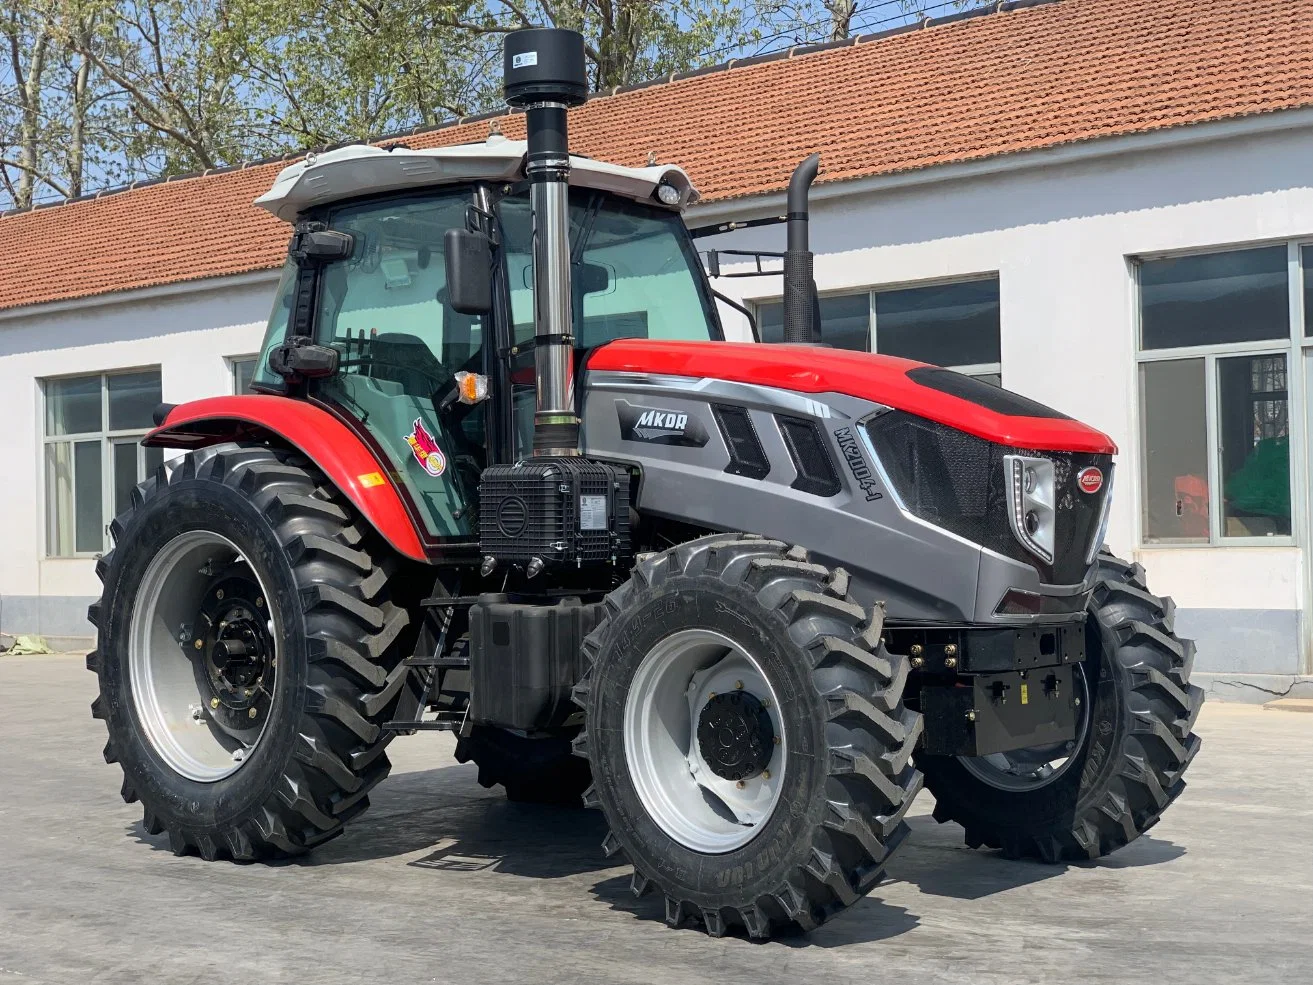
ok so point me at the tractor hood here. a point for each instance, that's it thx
(937, 394)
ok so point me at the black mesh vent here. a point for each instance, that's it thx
(815, 468)
(746, 456)
(955, 481)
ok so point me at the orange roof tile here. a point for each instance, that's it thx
(1002, 82)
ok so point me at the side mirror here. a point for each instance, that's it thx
(469, 271)
(318, 245)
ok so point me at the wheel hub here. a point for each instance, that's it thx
(237, 669)
(735, 735)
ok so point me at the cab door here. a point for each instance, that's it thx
(400, 346)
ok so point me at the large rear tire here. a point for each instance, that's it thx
(1137, 740)
(747, 735)
(242, 589)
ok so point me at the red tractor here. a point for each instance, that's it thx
(745, 599)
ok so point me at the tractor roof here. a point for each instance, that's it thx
(362, 169)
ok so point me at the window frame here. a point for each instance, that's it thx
(873, 328)
(231, 361)
(108, 438)
(1293, 348)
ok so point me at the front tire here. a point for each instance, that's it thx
(795, 797)
(1137, 743)
(175, 689)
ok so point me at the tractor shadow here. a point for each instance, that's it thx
(465, 828)
(936, 860)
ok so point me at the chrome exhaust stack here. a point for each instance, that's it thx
(545, 74)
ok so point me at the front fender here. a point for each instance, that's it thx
(336, 450)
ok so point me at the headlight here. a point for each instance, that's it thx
(1030, 486)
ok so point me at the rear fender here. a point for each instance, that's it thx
(336, 450)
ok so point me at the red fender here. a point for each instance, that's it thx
(331, 445)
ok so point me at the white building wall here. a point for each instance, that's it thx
(186, 333)
(1057, 234)
(1059, 238)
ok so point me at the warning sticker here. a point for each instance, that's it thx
(592, 512)
(524, 59)
(1025, 694)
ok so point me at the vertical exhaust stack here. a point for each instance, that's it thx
(545, 74)
(800, 325)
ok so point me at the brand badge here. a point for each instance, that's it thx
(1090, 480)
(658, 426)
(426, 450)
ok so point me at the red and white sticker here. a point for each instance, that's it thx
(1090, 480)
(426, 449)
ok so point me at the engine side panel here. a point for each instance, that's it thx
(668, 427)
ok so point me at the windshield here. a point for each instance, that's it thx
(633, 267)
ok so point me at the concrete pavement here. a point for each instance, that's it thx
(445, 881)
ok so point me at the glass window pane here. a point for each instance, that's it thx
(154, 459)
(845, 321)
(243, 370)
(1237, 296)
(1173, 401)
(89, 525)
(73, 405)
(946, 324)
(59, 499)
(1306, 261)
(125, 474)
(133, 397)
(1254, 434)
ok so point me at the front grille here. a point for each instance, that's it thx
(956, 481)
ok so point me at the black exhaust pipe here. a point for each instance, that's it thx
(800, 304)
(545, 73)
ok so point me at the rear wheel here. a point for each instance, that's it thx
(248, 653)
(747, 735)
(1086, 799)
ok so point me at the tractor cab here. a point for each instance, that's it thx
(438, 392)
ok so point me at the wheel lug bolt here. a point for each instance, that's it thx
(916, 649)
(950, 662)
(218, 593)
(711, 695)
(971, 715)
(917, 662)
(259, 602)
(1076, 702)
(198, 643)
(777, 740)
(765, 774)
(740, 784)
(252, 713)
(214, 702)
(738, 685)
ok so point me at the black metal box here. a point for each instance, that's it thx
(989, 713)
(524, 659)
(563, 511)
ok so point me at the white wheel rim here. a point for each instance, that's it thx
(173, 710)
(688, 801)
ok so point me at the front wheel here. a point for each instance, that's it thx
(249, 651)
(1132, 747)
(747, 735)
